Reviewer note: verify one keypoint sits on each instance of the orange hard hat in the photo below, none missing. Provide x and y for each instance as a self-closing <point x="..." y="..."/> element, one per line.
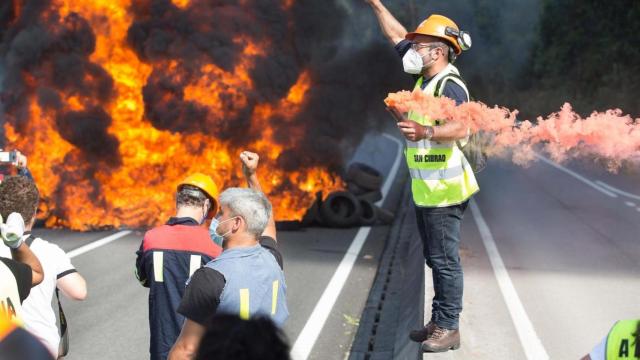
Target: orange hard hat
<point x="206" y="184"/>
<point x="441" y="27"/>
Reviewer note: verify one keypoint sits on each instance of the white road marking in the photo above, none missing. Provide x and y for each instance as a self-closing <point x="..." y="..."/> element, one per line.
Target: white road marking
<point x="616" y="190"/>
<point x="311" y="330"/>
<point x="98" y="243"/>
<point x="630" y="203"/>
<point x="577" y="176"/>
<point x="394" y="169"/>
<point x="533" y="348"/>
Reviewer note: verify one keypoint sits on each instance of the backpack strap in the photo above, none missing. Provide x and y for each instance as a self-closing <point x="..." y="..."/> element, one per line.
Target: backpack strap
<point x="29" y="240"/>
<point x="440" y="84"/>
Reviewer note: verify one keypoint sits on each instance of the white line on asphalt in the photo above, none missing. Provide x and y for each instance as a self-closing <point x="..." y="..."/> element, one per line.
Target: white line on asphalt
<point x="309" y="334"/>
<point x="630" y="203"/>
<point x="98" y="243"/>
<point x="577" y="176"/>
<point x="394" y="168"/>
<point x="616" y="190"/>
<point x="533" y="348"/>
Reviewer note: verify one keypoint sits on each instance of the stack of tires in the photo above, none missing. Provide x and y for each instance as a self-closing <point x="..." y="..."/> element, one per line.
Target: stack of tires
<point x="353" y="207"/>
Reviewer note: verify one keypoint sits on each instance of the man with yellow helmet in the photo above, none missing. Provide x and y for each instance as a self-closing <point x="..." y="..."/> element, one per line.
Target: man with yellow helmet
<point x="442" y="180"/>
<point x="171" y="253"/>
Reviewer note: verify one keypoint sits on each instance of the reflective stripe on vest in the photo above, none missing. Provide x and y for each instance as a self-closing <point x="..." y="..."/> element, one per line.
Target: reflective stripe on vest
<point x="440" y="174"/>
<point x="254" y="284"/>
<point x="621" y="341"/>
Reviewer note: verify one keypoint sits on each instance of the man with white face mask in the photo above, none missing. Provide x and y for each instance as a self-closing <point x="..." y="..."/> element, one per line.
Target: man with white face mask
<point x="247" y="278"/>
<point x="442" y="180"/>
<point x="170" y="253"/>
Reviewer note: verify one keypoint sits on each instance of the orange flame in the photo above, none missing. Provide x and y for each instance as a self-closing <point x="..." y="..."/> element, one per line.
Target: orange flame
<point x="140" y="191"/>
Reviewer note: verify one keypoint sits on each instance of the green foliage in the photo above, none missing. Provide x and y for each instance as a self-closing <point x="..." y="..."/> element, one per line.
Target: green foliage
<point x="589" y="50"/>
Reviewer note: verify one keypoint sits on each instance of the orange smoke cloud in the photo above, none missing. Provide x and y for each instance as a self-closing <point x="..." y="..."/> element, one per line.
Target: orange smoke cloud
<point x="611" y="135"/>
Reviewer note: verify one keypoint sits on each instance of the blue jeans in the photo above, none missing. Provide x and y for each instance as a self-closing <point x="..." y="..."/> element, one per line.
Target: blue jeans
<point x="440" y="232"/>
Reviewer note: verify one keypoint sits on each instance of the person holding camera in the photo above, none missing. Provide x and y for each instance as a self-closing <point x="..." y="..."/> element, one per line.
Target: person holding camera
<point x="19" y="195"/>
<point x="19" y="272"/>
<point x="13" y="163"/>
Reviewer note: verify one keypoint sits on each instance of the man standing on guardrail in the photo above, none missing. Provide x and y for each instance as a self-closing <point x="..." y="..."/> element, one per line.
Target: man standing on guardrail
<point x="442" y="180"/>
<point x="171" y="253"/>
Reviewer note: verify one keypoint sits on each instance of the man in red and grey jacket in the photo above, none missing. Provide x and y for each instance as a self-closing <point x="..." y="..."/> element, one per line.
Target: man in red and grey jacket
<point x="170" y="253"/>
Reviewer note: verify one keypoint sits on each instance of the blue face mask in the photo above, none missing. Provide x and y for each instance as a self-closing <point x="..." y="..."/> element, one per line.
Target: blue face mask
<point x="213" y="233"/>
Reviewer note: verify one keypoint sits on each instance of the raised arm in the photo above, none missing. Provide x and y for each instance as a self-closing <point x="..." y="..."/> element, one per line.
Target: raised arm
<point x="249" y="169"/>
<point x="24" y="255"/>
<point x="391" y="27"/>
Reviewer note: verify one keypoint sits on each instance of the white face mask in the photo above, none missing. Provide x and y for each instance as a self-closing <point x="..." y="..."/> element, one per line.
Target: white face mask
<point x="215" y="230"/>
<point x="412" y="62"/>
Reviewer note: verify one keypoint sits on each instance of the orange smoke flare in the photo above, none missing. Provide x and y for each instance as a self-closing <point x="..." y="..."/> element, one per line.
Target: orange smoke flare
<point x="610" y="135"/>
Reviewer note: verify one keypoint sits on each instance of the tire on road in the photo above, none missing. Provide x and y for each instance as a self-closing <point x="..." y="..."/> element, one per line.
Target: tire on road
<point x="356" y="189"/>
<point x="312" y="215"/>
<point x="369" y="214"/>
<point x="371" y="196"/>
<point x="341" y="209"/>
<point x="364" y="176"/>
<point x="385" y="216"/>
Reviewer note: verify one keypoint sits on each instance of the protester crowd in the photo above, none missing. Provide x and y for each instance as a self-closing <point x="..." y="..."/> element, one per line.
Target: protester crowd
<point x="216" y="293"/>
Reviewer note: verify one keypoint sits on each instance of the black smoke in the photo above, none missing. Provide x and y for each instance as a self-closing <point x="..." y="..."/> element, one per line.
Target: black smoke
<point x="46" y="58"/>
<point x="348" y="84"/>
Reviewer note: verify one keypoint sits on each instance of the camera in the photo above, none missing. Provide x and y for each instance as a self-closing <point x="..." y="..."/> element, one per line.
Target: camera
<point x="8" y="157"/>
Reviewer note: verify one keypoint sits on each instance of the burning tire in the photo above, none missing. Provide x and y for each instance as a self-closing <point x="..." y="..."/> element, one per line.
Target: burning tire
<point x="341" y="209"/>
<point x="364" y="176"/>
<point x="385" y="216"/>
<point x="371" y="196"/>
<point x="312" y="216"/>
<point x="369" y="214"/>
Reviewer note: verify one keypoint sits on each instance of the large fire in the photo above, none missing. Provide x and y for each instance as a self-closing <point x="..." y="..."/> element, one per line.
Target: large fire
<point x="137" y="188"/>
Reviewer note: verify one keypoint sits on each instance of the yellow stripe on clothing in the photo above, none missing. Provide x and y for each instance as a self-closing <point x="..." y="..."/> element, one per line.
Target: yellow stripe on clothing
<point x="244" y="304"/>
<point x="274" y="297"/>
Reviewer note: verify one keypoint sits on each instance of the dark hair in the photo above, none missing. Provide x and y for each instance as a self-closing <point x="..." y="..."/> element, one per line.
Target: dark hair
<point x="229" y="337"/>
<point x="190" y="196"/>
<point x="18" y="194"/>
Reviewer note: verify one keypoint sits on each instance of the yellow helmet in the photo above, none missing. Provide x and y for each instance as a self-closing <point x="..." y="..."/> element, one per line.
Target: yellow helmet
<point x="444" y="28"/>
<point x="206" y="184"/>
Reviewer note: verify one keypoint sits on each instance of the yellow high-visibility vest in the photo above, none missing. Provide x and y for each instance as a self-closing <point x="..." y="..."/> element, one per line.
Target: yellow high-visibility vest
<point x="440" y="173"/>
<point x="622" y="341"/>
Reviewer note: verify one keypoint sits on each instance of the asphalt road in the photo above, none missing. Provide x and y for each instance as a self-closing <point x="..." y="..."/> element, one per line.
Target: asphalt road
<point x="567" y="238"/>
<point x="570" y="247"/>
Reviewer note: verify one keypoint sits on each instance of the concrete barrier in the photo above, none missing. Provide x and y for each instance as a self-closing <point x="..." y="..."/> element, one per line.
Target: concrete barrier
<point x="395" y="305"/>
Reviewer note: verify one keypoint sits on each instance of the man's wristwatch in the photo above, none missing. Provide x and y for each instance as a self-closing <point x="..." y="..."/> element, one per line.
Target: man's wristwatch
<point x="428" y="132"/>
